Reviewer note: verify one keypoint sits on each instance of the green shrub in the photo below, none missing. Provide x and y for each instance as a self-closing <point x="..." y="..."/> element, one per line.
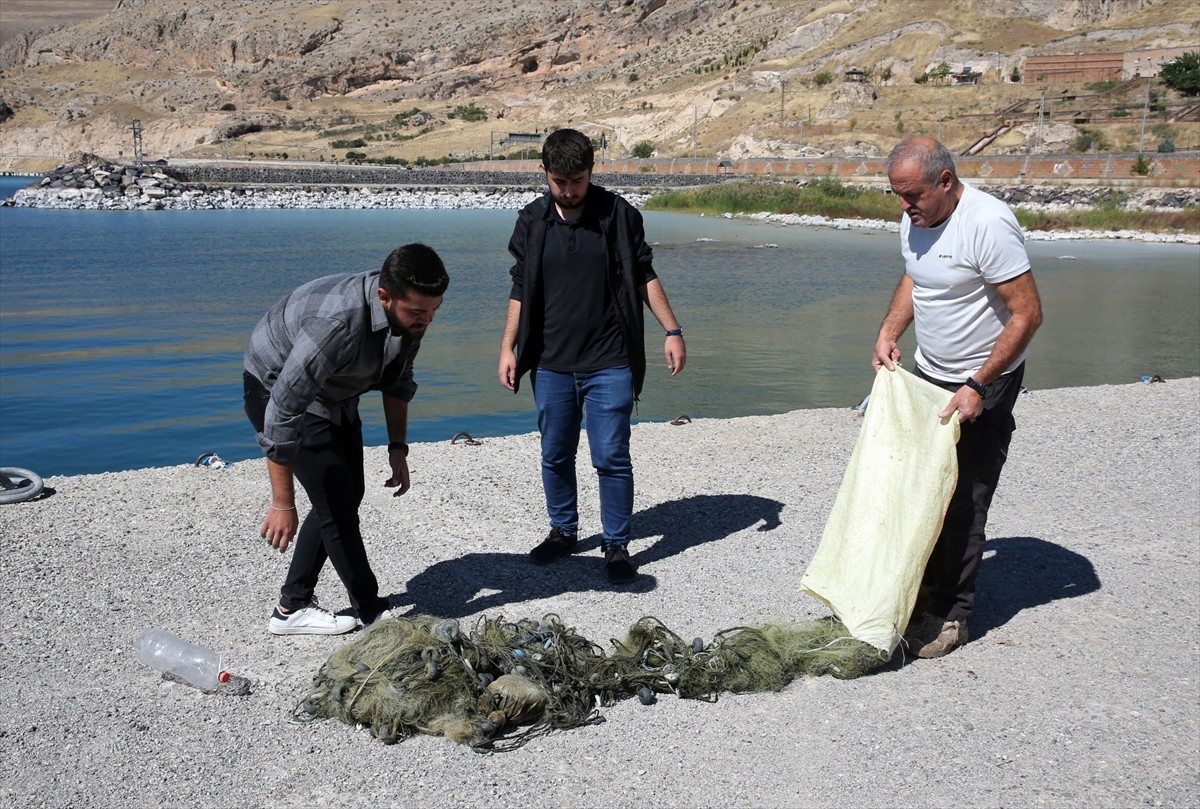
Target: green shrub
<point x="469" y="112"/>
<point x="1087" y="138"/>
<point x="833" y="199"/>
<point x="824" y="197"/>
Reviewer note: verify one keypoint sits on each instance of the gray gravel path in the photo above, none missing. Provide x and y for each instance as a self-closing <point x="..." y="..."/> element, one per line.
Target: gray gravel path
<point x="1079" y="687"/>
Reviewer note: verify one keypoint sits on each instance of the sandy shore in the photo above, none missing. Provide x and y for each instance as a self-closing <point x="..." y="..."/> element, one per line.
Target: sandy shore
<point x="1079" y="687"/>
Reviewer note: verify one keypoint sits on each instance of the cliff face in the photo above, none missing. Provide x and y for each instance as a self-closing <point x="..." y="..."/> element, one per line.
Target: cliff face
<point x="197" y="71"/>
<point x="300" y="49"/>
<point x="1066" y="14"/>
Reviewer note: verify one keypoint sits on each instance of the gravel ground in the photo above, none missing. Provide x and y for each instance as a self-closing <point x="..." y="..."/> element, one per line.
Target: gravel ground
<point x="1079" y="687"/>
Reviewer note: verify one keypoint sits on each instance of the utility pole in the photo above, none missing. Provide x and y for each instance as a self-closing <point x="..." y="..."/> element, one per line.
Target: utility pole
<point x="782" y="93"/>
<point x="1145" y="110"/>
<point x="137" y="143"/>
<point x="1041" y="111"/>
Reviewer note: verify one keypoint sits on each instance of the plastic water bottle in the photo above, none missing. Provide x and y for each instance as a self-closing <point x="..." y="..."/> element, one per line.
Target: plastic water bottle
<point x="164" y="651"/>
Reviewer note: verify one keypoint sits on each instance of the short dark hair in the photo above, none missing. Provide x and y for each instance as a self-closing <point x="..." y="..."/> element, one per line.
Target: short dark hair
<point x="567" y="151"/>
<point x="414" y="268"/>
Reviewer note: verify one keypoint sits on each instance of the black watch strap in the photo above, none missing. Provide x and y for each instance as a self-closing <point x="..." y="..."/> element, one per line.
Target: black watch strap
<point x="983" y="390"/>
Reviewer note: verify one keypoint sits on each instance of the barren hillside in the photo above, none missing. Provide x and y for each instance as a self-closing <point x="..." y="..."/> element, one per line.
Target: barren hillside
<point x="425" y="78"/>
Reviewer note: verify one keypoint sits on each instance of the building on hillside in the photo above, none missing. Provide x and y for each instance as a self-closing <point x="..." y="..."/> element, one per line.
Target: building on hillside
<point x="1063" y="68"/>
<point x="1147" y="63"/>
<point x="967" y="75"/>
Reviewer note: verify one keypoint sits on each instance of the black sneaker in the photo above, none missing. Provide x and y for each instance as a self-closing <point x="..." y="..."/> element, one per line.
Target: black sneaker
<point x="556" y="545"/>
<point x="618" y="566"/>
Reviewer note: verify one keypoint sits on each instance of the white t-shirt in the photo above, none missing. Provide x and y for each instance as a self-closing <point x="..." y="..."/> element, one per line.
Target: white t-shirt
<point x="954" y="267"/>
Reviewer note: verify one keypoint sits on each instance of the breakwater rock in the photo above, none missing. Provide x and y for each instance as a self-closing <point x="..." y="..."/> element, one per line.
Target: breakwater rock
<point x="99" y="185"/>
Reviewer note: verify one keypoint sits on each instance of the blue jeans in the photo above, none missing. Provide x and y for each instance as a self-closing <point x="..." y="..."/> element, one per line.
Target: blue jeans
<point x="603" y="402"/>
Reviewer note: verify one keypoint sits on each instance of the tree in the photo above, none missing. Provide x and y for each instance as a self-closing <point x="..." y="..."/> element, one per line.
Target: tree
<point x="822" y="78"/>
<point x="1183" y="74"/>
<point x="643" y="149"/>
<point x="941" y="72"/>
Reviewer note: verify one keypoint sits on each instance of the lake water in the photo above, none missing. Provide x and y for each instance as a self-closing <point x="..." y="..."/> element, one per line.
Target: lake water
<point x="121" y="333"/>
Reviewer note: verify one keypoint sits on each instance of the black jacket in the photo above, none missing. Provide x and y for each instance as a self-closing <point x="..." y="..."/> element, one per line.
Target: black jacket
<point x="630" y="263"/>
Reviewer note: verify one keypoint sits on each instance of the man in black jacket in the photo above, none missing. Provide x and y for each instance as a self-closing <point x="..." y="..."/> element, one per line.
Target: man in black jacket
<point x="583" y="271"/>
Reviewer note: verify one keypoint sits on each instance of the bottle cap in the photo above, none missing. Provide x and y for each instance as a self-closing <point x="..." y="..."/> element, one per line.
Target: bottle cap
<point x="223" y="677"/>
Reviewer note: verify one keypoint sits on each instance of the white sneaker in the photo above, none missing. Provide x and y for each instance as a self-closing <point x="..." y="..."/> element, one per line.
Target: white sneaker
<point x="310" y="620"/>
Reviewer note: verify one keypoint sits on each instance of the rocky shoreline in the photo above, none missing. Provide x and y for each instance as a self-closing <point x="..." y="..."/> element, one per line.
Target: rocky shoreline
<point x="1091" y="540"/>
<point x="99" y="185"/>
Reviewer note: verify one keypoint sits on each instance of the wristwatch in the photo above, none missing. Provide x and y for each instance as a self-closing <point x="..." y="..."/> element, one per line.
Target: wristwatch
<point x="983" y="390"/>
<point x="674" y="332"/>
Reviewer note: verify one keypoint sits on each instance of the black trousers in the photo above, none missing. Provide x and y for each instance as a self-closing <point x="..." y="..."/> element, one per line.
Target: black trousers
<point x="329" y="466"/>
<point x="948" y="586"/>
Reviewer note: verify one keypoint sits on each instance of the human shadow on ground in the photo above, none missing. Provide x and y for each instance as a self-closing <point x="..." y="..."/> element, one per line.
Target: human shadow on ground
<point x="486" y="581"/>
<point x="1019" y="573"/>
<point x="1023" y="572"/>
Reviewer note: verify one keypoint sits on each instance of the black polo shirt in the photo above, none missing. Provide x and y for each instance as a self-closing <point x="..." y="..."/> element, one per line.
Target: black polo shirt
<point x="582" y="328"/>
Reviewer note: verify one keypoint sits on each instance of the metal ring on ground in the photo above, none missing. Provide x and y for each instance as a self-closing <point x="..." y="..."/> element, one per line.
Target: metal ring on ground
<point x="203" y="457"/>
<point x="467" y="439"/>
<point x="18" y="485"/>
<point x="684" y="419"/>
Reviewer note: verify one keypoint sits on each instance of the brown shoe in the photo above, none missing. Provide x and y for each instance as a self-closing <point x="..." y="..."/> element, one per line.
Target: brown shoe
<point x="953" y="635"/>
<point x="922" y="628"/>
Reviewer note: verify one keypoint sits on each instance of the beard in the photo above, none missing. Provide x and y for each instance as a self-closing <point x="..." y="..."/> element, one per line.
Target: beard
<point x="570" y="204"/>
<point x="399" y="329"/>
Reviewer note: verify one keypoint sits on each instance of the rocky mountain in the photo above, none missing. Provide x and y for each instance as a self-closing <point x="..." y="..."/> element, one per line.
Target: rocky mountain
<point x="437" y="77"/>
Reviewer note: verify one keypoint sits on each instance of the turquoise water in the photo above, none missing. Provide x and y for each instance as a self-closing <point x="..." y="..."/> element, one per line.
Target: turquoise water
<point x="121" y="333"/>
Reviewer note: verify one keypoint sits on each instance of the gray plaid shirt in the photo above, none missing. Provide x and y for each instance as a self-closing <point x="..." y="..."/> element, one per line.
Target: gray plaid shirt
<point x="319" y="349"/>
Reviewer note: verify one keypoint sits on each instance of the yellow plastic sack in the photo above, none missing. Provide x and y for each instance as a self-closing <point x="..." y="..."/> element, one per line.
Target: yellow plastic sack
<point x="889" y="510"/>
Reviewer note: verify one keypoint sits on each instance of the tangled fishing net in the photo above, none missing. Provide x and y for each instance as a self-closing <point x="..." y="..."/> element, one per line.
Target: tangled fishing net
<point x="503" y="683"/>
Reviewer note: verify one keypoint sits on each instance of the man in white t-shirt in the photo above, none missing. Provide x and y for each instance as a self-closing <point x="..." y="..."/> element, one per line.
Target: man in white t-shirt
<point x="968" y="290"/>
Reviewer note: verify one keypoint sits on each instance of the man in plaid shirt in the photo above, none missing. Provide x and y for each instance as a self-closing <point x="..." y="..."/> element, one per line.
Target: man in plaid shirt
<point x="309" y="359"/>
